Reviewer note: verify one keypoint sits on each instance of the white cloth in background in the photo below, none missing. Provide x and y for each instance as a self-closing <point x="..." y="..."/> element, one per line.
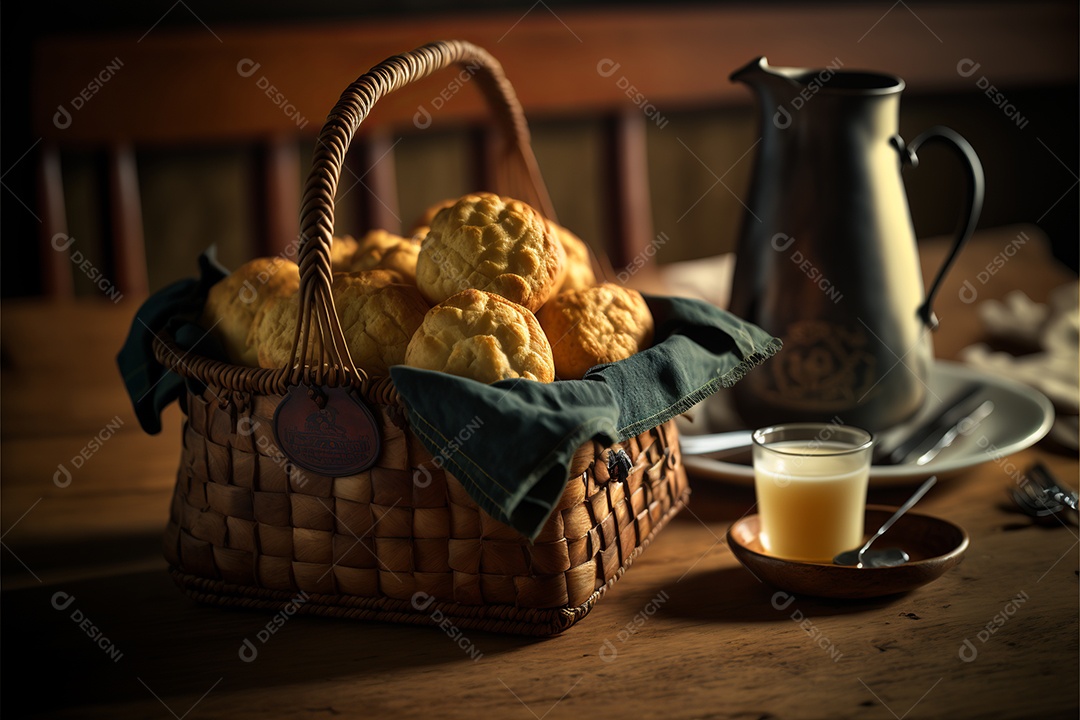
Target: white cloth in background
<point x="1050" y="334"/>
<point x="707" y="279"/>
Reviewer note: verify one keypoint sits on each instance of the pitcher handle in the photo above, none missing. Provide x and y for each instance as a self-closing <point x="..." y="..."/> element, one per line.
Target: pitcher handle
<point x="975" y="191"/>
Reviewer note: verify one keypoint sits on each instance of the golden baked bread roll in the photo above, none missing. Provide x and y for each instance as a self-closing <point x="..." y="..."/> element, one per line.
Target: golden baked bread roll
<point x="378" y="316"/>
<point x="483" y="336"/>
<point x="596" y="325"/>
<point x="234" y="301"/>
<point x="342" y="251"/>
<point x="579" y="272"/>
<point x="490" y="243"/>
<point x="381" y="250"/>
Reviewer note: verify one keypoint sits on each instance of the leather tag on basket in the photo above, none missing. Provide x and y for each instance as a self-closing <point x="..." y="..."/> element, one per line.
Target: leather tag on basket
<point x="326" y="430"/>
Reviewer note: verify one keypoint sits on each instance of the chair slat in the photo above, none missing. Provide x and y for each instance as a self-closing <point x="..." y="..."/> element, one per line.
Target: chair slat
<point x="279" y="197"/>
<point x="631" y="211"/>
<point x="374" y="180"/>
<point x="129" y="252"/>
<point x="485" y="147"/>
<point x="56" y="267"/>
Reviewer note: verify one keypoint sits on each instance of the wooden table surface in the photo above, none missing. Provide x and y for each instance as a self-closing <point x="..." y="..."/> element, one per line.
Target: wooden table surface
<point x="686" y="633"/>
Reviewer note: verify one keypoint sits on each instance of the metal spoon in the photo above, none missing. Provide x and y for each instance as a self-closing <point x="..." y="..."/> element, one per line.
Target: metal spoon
<point x="889" y="557"/>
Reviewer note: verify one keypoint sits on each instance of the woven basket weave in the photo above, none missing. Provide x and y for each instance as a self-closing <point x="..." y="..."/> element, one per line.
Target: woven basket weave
<point x="401" y="540"/>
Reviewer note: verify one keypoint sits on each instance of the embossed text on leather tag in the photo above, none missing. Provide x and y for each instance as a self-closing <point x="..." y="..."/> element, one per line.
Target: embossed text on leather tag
<point x="328" y="431"/>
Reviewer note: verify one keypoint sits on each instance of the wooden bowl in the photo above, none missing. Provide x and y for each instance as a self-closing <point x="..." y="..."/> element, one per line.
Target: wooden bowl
<point x="934" y="545"/>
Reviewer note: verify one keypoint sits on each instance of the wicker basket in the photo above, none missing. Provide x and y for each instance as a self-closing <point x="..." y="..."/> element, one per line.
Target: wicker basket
<point x="246" y="528"/>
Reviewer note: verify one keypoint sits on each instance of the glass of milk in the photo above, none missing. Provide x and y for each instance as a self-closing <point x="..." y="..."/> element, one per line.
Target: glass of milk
<point x="811" y="483"/>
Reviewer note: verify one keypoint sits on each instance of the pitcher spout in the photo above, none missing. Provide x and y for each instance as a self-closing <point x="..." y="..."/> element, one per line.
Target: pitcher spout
<point x="774" y="89"/>
<point x="758" y="73"/>
<point x="749" y="72"/>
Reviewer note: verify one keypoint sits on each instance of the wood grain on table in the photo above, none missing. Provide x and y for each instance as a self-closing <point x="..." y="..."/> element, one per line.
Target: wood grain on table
<point x="686" y="633"/>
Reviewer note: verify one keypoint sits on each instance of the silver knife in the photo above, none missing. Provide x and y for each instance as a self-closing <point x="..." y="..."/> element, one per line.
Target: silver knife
<point x="964" y="425"/>
<point x="715" y="442"/>
<point x="928" y="433"/>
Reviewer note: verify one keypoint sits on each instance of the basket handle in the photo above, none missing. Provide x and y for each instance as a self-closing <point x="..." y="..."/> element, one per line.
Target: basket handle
<point x="318" y="325"/>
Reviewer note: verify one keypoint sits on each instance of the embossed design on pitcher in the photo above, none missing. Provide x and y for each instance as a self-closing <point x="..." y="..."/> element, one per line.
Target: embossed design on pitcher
<point x="823" y="365"/>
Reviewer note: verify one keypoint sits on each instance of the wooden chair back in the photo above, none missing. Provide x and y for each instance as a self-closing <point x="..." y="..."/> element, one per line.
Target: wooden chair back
<point x="213" y="85"/>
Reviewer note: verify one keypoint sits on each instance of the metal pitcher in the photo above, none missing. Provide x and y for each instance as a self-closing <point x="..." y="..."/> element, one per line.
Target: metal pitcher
<point x="827" y="259"/>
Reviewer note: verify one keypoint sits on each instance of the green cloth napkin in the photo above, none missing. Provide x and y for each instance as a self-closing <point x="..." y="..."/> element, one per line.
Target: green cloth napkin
<point x="510" y="443"/>
<point x="174" y="310"/>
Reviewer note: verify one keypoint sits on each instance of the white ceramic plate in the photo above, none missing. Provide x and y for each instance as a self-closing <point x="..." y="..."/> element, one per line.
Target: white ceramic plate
<point x="1021" y="417"/>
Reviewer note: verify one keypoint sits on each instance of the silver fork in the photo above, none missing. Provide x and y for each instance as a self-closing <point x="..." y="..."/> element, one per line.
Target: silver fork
<point x="1042" y="496"/>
